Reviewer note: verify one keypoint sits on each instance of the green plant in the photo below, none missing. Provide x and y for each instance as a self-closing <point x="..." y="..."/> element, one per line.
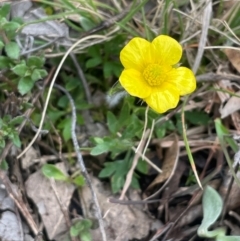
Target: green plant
<point x="18" y="71"/>
<point x="8" y="132"/>
<point x="212" y="208"/>
<point x="51" y="171"/>
<point x="81" y="229"/>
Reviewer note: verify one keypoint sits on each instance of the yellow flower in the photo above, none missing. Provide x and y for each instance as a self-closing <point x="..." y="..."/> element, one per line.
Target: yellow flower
<point x="150" y="72"/>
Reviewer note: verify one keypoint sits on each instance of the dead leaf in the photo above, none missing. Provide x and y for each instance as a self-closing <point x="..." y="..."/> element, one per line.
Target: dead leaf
<point x="39" y="189"/>
<point x="169" y="164"/>
<point x="232" y="105"/>
<point x="233" y="57"/>
<point x="121" y="222"/>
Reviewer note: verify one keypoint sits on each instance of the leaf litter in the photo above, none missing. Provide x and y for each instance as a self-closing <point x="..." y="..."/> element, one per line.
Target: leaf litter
<point x="179" y="204"/>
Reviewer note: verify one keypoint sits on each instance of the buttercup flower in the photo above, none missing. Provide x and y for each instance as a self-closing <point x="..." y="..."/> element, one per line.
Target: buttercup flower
<point x="151" y="72"/>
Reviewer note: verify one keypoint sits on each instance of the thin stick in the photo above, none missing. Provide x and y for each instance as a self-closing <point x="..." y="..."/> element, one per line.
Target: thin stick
<point x="81" y="162"/>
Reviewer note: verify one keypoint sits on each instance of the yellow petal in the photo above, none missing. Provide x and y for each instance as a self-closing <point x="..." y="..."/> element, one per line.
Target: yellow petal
<point x="163" y="98"/>
<point x="183" y="78"/>
<point x="134" y="83"/>
<point x="167" y="50"/>
<point x="136" y="54"/>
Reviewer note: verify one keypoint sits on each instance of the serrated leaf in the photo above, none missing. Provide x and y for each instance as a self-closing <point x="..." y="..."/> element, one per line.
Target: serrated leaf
<point x="51" y="171"/>
<point x="35" y="61"/>
<point x="20" y="69"/>
<point x="12" y="50"/>
<point x="25" y="85"/>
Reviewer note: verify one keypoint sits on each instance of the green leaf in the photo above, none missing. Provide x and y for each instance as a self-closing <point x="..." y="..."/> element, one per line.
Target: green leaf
<point x="35" y="75"/>
<point x="108" y="170"/>
<point x="100" y="149"/>
<point x="135" y="183"/>
<point x="4" y="62"/>
<point x="50" y="170"/>
<point x="43" y="73"/>
<point x="87" y="223"/>
<point x="93" y="62"/>
<point x="74" y="231"/>
<point x="212" y="208"/>
<point x="4" y="165"/>
<point x="20" y="69"/>
<point x="112" y="122"/>
<point x="25" y="85"/>
<point x="35" y="61"/>
<point x="107" y="69"/>
<point x="86" y="23"/>
<point x="142" y="166"/>
<point x="12" y="50"/>
<point x="16" y="120"/>
<point x="79" y="181"/>
<point x="117" y="182"/>
<point x="85" y="235"/>
<point x="16" y="140"/>
<point x="1" y="45"/>
<point x="65" y="125"/>
<point x="2" y="143"/>
<point x="5" y="10"/>
<point x="197" y="117"/>
<point x="11" y="26"/>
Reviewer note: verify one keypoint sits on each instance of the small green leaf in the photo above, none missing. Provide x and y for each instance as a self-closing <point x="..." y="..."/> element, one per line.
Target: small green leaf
<point x="85" y="235"/>
<point x="86" y="23"/>
<point x="12" y="50"/>
<point x="4" y="10"/>
<point x="16" y="120"/>
<point x="117" y="182"/>
<point x="93" y="62"/>
<point x="2" y="143"/>
<point x="79" y="181"/>
<point x="108" y="170"/>
<point x="112" y="122"/>
<point x="100" y="149"/>
<point x="212" y="208"/>
<point x="107" y="69"/>
<point x="35" y="61"/>
<point x="35" y="75"/>
<point x="142" y="166"/>
<point x="1" y="45"/>
<point x="20" y="69"/>
<point x="25" y="85"/>
<point x="11" y="26"/>
<point x="16" y="140"/>
<point x="43" y="73"/>
<point x="74" y="231"/>
<point x="4" y="62"/>
<point x="50" y="170"/>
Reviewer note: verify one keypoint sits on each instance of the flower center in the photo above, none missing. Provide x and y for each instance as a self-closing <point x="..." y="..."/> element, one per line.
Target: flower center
<point x="154" y="74"/>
